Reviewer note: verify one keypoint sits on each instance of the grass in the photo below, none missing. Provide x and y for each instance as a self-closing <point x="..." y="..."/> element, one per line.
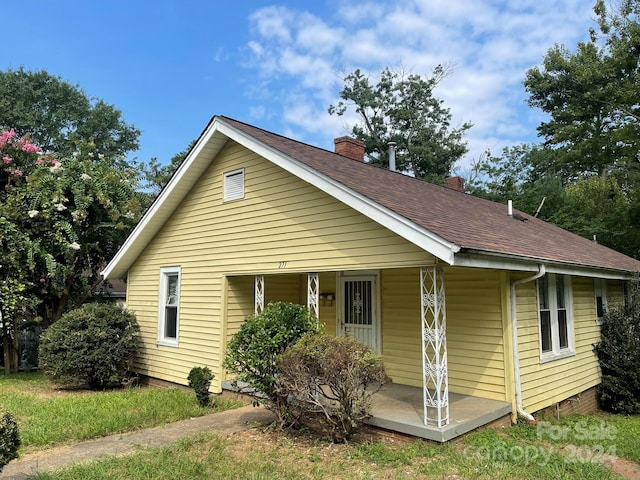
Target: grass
<point x="569" y="448"/>
<point x="47" y="416"/>
<point x="492" y="454"/>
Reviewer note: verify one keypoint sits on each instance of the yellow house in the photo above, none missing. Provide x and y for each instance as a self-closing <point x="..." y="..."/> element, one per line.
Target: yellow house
<point x="474" y="306"/>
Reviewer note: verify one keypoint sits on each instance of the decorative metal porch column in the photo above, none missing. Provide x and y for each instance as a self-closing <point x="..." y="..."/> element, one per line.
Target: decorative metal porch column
<point x="435" y="380"/>
<point x="259" y="294"/>
<point x="313" y="287"/>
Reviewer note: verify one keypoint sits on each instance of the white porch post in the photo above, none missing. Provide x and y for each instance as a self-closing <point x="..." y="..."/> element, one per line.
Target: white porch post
<point x="313" y="287"/>
<point x="435" y="380"/>
<point x="259" y="294"/>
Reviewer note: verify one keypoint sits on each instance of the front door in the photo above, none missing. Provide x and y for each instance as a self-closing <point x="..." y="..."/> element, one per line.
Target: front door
<point x="358" y="308"/>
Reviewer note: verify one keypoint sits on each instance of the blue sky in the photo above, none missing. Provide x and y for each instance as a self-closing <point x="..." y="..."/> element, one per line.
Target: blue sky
<point x="170" y="65"/>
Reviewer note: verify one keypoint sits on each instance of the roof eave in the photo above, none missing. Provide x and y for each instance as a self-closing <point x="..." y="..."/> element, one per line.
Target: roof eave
<point x="498" y="260"/>
<point x="185" y="176"/>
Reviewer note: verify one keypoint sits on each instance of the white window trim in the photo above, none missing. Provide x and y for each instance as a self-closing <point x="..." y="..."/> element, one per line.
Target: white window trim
<point x="557" y="353"/>
<point x="164" y="274"/>
<point x="600" y="290"/>
<point x="233" y="191"/>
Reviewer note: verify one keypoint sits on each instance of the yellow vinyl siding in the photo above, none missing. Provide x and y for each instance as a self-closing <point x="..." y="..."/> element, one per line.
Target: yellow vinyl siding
<point x="327" y="308"/>
<point x="282" y="225"/>
<point x="285" y="288"/>
<point x="544" y="384"/>
<point x="474" y="330"/>
<point x="401" y="346"/>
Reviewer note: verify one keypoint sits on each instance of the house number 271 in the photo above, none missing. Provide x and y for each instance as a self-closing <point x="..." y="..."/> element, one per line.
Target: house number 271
<point x="283" y="265"/>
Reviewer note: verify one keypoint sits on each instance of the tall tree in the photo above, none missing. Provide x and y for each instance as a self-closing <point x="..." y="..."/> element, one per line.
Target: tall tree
<point x="402" y="108"/>
<point x="71" y="216"/>
<point x="592" y="136"/>
<point x="591" y="96"/>
<point x="157" y="176"/>
<point x="58" y="115"/>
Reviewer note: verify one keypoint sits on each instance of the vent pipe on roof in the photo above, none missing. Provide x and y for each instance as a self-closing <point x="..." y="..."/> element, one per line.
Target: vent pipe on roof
<point x="510" y="207"/>
<point x="392" y="156"/>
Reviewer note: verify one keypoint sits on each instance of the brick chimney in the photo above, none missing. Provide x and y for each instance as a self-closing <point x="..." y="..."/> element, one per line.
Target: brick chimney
<point x="455" y="183"/>
<point x="350" y="147"/>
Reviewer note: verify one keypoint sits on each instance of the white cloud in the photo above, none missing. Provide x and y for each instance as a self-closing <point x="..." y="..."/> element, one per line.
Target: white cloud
<point x="492" y="43"/>
<point x="273" y="23"/>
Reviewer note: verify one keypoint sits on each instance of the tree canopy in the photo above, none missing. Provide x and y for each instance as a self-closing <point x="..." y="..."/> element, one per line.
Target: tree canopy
<point x="585" y="174"/>
<point x="58" y="115"/>
<point x="591" y="97"/>
<point x="61" y="220"/>
<point x="402" y="108"/>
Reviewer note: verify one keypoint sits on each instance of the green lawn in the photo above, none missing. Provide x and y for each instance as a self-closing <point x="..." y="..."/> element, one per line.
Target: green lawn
<point x="578" y="447"/>
<point x="48" y="416"/>
<point x="568" y="449"/>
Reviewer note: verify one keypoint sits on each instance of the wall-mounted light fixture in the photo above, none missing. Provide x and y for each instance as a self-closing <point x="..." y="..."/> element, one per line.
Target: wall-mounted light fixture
<point x="327" y="297"/>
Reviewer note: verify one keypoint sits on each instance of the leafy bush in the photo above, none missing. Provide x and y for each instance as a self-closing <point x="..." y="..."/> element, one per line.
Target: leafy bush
<point x="255" y="350"/>
<point x="9" y="439"/>
<point x="619" y="356"/>
<point x="91" y="346"/>
<point x="200" y="380"/>
<point x="327" y="381"/>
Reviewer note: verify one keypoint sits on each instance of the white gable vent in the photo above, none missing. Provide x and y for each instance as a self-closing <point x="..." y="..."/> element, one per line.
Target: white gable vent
<point x="234" y="185"/>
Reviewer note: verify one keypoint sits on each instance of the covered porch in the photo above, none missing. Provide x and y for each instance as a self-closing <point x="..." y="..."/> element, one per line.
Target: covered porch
<point x="399" y="408"/>
<point x="436" y="393"/>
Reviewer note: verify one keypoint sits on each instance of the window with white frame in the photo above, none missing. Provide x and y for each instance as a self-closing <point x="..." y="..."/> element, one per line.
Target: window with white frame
<point x="234" y="185"/>
<point x="600" y="289"/>
<point x="168" y="315"/>
<point x="555" y="316"/>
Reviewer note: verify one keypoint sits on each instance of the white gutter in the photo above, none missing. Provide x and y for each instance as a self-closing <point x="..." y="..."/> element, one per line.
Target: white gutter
<point x="514" y="333"/>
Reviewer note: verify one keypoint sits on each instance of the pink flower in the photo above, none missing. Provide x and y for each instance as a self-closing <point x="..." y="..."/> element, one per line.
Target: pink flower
<point x="40" y="161"/>
<point x="42" y="280"/>
<point x="18" y="172"/>
<point x="29" y="147"/>
<point x="7" y="137"/>
<point x="6" y="160"/>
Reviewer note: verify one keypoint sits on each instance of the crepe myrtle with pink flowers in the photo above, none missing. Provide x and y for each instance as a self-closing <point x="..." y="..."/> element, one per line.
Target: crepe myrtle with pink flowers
<point x="61" y="219"/>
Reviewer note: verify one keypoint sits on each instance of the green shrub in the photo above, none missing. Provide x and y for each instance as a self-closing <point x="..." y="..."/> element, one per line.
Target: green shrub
<point x="619" y="356"/>
<point x="9" y="439"/>
<point x="200" y="380"/>
<point x="91" y="346"/>
<point x="254" y="351"/>
<point x="328" y="382"/>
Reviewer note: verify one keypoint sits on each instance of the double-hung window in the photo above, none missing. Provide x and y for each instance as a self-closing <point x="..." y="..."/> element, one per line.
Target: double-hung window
<point x="555" y="316"/>
<point x="168" y="315"/>
<point x="600" y="289"/>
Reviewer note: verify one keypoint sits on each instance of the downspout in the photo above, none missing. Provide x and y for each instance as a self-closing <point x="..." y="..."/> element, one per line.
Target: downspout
<point x="514" y="332"/>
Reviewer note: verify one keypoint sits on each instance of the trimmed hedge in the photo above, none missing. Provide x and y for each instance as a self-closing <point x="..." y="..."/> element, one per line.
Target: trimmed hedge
<point x="254" y="351"/>
<point x="91" y="346"/>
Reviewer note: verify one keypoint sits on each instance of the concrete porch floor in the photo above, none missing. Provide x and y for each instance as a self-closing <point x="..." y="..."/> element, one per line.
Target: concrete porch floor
<point x="399" y="408"/>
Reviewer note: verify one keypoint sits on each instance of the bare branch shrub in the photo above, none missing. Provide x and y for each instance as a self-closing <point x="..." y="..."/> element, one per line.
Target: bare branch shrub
<point x="329" y="382"/>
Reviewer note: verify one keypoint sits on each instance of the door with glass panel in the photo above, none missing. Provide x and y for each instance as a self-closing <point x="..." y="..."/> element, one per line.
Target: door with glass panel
<point x="358" y="309"/>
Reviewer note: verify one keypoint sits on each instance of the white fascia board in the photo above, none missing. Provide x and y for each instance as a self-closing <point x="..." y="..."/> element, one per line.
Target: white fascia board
<point x="423" y="238"/>
<point x="499" y="261"/>
<point x="162" y="207"/>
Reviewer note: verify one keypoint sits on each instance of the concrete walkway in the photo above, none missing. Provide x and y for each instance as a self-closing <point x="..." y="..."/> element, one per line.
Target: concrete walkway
<point x="227" y="422"/>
